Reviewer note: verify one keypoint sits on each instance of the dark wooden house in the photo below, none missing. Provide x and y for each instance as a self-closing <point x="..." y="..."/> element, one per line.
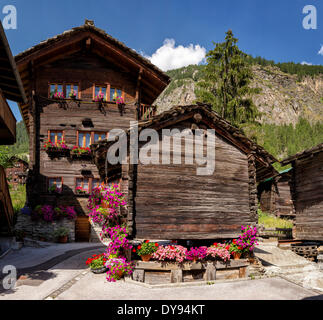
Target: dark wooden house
<point x="172" y="201"/>
<point x="11" y="89"/>
<point x="17" y="171"/>
<point x="91" y="64"/>
<point x="307" y="192"/>
<point x="274" y="195"/>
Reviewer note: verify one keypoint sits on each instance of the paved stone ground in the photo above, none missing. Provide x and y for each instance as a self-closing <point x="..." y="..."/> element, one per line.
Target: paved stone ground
<point x="93" y="286"/>
<point x="290" y="266"/>
<point x="69" y="279"/>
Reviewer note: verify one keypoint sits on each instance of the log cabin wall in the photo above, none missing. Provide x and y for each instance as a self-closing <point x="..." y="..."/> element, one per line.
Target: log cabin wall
<point x="86" y="71"/>
<point x="283" y="198"/>
<point x="275" y="197"/>
<point x="173" y="202"/>
<point x="308" y="197"/>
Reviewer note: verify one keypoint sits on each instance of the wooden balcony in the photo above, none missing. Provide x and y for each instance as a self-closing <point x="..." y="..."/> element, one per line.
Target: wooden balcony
<point x="7" y="123"/>
<point x="146" y="112"/>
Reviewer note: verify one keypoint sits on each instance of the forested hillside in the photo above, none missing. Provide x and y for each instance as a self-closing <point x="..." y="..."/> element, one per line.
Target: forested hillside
<point x="290" y="102"/>
<point x="20" y="148"/>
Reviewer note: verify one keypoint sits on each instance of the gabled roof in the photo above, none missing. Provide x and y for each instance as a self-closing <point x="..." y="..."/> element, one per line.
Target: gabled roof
<point x="10" y="82"/>
<point x="15" y="159"/>
<point x="89" y="37"/>
<point x="213" y="120"/>
<point x="303" y="154"/>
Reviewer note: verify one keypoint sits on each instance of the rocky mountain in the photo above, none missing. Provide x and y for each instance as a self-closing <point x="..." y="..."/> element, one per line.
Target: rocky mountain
<point x="284" y="98"/>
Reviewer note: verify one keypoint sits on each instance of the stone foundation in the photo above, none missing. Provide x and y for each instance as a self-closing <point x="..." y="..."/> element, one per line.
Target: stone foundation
<point x="39" y="229"/>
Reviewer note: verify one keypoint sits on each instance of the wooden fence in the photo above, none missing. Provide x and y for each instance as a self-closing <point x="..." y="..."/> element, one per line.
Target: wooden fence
<point x="279" y="233"/>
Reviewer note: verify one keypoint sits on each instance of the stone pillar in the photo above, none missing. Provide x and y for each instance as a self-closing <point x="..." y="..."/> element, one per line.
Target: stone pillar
<point x="210" y="272"/>
<point x="176" y="276"/>
<point x="138" y="275"/>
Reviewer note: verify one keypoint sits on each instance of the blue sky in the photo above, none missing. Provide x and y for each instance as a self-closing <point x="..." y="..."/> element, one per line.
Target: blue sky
<point x="271" y="29"/>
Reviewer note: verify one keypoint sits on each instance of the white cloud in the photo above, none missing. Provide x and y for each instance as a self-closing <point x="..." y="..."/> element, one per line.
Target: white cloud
<point x="321" y="50"/>
<point x="168" y="56"/>
<point x="307" y="63"/>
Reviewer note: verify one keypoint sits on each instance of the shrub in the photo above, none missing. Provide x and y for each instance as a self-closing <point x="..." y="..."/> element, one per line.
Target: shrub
<point x="147" y="248"/>
<point x="219" y="251"/>
<point x="196" y="253"/>
<point x="170" y="253"/>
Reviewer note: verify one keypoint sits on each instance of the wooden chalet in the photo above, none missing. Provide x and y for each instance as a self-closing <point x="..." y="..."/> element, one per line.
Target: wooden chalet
<point x="172" y="201"/>
<point x="11" y="89"/>
<point x="307" y="192"/>
<point x="17" y="171"/>
<point x="89" y="62"/>
<point x="274" y="195"/>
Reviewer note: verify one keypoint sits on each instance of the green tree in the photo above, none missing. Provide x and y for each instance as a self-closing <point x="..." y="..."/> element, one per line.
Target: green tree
<point x="225" y="83"/>
<point x="5" y="155"/>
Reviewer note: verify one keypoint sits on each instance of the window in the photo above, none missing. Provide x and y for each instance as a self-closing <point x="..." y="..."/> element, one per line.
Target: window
<point x="55" y="184"/>
<point x="72" y="88"/>
<point x="96" y="183"/>
<point x="100" y="89"/>
<point x="98" y="136"/>
<point x="56" y="136"/>
<point x="54" y="87"/>
<point x="65" y="89"/>
<point x="85" y="139"/>
<point x="82" y="185"/>
<point x="114" y="93"/>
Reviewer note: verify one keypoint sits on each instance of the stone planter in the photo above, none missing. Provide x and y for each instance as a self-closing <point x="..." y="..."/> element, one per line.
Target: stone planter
<point x="99" y="270"/>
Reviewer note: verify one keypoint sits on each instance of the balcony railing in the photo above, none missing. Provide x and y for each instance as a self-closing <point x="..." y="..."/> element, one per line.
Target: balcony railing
<point x="146" y="112"/>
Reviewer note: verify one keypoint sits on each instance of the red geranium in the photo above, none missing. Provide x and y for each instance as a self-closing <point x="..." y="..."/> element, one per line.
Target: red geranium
<point x="156" y="244"/>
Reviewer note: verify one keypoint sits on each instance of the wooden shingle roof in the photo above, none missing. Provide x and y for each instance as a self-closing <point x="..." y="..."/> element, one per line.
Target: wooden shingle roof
<point x="303" y="154"/>
<point x="213" y="120"/>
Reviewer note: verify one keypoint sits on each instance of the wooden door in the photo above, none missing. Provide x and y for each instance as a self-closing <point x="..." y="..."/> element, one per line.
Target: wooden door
<point x="82" y="229"/>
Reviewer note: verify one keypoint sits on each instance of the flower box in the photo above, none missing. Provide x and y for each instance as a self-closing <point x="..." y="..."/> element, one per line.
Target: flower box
<point x="81" y="153"/>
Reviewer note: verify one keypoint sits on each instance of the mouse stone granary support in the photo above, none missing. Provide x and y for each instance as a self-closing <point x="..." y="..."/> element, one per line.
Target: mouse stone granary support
<point x="274" y="195"/>
<point x="173" y="201"/>
<point x="11" y="89"/>
<point x="307" y="192"/>
<point x="80" y="85"/>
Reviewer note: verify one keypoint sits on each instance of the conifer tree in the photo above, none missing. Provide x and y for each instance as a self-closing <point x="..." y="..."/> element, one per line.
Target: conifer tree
<point x="225" y="83"/>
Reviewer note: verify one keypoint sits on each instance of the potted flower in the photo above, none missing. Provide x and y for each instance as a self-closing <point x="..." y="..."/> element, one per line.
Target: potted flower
<point x="119" y="100"/>
<point x="54" y="148"/>
<point x="248" y="241"/>
<point x="195" y="254"/>
<point x="72" y="94"/>
<point x="218" y="251"/>
<point x="146" y="250"/>
<point x="80" y="152"/>
<point x="99" y="97"/>
<point x="80" y="190"/>
<point x="97" y="263"/>
<point x="57" y="95"/>
<point x="170" y="253"/>
<point x="118" y="267"/>
<point x="235" y="249"/>
<point x="61" y="234"/>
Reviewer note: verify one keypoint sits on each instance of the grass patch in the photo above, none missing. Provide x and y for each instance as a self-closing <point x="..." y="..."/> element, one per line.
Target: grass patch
<point x="18" y="197"/>
<point x="270" y="221"/>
